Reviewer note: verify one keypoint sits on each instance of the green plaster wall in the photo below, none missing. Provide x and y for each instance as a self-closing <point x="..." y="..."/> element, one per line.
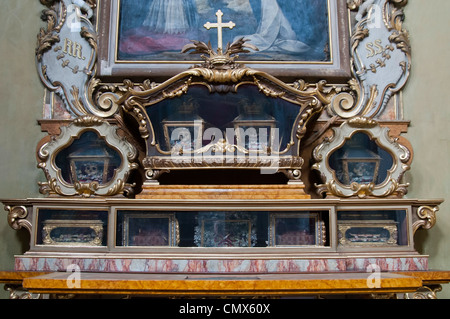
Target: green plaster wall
<point x="426" y="106"/>
<point x="21" y="96"/>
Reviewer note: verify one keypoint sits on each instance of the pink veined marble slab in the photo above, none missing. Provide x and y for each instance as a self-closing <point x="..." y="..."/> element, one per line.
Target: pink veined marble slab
<point x="149" y="265"/>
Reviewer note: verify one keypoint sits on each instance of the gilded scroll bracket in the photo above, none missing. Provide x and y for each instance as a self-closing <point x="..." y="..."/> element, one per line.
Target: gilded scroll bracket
<point x="18" y="292"/>
<point x="425" y="292"/>
<point x="17" y="217"/>
<point x="426" y="218"/>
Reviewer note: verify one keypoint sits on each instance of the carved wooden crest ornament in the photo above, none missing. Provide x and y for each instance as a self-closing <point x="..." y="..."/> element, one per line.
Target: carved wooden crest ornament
<point x="381" y="58"/>
<point x="67" y="53"/>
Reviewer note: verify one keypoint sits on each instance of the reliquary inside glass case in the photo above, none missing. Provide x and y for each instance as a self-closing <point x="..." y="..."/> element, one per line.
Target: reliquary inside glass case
<point x="224" y="151"/>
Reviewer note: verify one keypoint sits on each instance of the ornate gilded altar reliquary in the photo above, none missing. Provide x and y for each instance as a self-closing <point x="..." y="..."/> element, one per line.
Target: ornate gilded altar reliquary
<point x="282" y="155"/>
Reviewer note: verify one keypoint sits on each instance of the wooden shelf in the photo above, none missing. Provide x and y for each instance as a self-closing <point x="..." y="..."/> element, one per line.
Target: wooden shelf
<point x="215" y="284"/>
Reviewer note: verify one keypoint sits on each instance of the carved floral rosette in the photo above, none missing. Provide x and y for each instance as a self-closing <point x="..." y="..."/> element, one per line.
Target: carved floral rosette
<point x="117" y="185"/>
<point x="392" y="185"/>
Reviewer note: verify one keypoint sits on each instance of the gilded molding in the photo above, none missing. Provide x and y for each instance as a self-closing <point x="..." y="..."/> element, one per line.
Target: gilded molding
<point x="88" y="120"/>
<point x="362" y="122"/>
<point x="162" y="162"/>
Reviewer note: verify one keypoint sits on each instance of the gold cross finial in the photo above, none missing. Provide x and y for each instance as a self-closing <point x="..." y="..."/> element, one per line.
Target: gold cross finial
<point x="219" y="25"/>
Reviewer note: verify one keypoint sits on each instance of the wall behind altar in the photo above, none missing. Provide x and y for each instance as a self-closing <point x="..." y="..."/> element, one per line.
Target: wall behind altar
<point x="427" y="107"/>
<point x="21" y="96"/>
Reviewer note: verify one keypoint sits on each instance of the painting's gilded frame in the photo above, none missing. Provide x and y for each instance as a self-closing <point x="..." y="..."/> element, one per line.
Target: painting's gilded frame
<point x="338" y="68"/>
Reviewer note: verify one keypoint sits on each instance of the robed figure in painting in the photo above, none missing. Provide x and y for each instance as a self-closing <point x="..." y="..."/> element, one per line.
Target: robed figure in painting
<point x="171" y="16"/>
<point x="165" y="25"/>
<point x="275" y="32"/>
<point x="284" y="30"/>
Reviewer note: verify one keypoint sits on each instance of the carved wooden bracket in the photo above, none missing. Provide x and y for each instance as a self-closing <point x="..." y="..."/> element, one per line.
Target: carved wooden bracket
<point x="17" y="217"/>
<point x="426" y="217"/>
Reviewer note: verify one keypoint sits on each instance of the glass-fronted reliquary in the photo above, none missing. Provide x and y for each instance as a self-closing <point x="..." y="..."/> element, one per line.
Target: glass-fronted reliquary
<point x="272" y="143"/>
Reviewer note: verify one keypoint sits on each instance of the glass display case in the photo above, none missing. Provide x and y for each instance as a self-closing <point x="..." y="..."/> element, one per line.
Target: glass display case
<point x="88" y="159"/>
<point x="329" y="227"/>
<point x="299" y="229"/>
<point x="372" y="228"/>
<point x="70" y="227"/>
<point x="140" y="228"/>
<point x="183" y="128"/>
<point x="226" y="229"/>
<point x="243" y="120"/>
<point x="361" y="160"/>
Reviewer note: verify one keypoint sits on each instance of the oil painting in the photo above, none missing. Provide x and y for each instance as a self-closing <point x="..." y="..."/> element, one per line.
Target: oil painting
<point x="282" y="30"/>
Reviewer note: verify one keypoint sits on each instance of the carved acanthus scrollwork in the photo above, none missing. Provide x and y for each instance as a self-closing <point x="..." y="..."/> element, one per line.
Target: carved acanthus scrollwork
<point x="48" y="37"/>
<point x="381" y="58"/>
<point x="66" y="55"/>
<point x="154" y="174"/>
<point x="424" y="293"/>
<point x="426" y="217"/>
<point x="17" y="217"/>
<point x="218" y="59"/>
<point x="18" y="292"/>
